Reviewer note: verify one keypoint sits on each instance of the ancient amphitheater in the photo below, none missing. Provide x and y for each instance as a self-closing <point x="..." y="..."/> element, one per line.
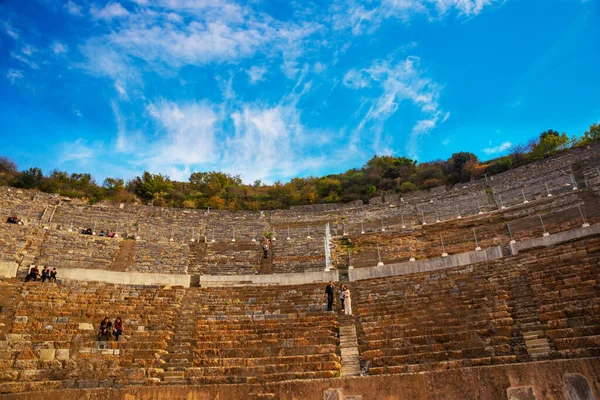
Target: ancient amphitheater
<point x="482" y="291"/>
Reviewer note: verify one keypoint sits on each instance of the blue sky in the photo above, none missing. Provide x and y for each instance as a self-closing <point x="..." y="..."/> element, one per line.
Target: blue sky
<point x="274" y="89"/>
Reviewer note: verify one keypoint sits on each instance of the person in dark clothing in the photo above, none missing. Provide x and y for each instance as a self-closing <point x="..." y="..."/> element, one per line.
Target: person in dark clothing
<point x="330" y="291"/>
<point x="34" y="273"/>
<point x="105" y="329"/>
<point x="52" y="275"/>
<point x="45" y="274"/>
<point x="265" y="248"/>
<point x="14" y="220"/>
<point x="118" y="328"/>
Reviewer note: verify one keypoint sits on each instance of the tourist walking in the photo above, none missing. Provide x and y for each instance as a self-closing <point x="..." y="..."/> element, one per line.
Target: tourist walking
<point x="342" y="297"/>
<point x="347" y="302"/>
<point x="329" y="291"/>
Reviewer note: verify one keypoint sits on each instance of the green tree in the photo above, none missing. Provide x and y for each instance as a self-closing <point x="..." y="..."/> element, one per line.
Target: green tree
<point x="30" y="179"/>
<point x="148" y="185"/>
<point x="549" y="143"/>
<point x="590" y="135"/>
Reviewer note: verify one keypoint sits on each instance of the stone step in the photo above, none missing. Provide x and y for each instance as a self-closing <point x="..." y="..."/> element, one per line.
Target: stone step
<point x="536" y="343"/>
<point x="539" y="351"/>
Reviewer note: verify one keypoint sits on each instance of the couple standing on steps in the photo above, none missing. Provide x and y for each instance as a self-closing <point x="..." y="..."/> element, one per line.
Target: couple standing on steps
<point x="345" y="299"/>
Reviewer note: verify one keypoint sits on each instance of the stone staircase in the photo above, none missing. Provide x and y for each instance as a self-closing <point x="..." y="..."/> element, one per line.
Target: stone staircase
<point x="181" y="346"/>
<point x="266" y="264"/>
<point x="125" y="256"/>
<point x="32" y="250"/>
<point x="529" y="337"/>
<point x="349" y="346"/>
<point x="10" y="295"/>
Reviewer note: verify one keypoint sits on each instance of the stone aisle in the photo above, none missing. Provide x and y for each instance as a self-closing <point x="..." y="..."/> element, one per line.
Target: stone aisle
<point x="349" y="346"/>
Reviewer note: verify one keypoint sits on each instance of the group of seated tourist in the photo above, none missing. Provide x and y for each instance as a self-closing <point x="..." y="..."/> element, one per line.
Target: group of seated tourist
<point x="14" y="220"/>
<point x="109" y="331"/>
<point x="46" y="274"/>
<point x="89" y="231"/>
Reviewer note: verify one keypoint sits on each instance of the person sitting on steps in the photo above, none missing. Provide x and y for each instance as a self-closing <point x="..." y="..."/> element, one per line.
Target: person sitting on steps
<point x="14" y="220"/>
<point x="105" y="329"/>
<point x="34" y="273"/>
<point x="52" y="275"/>
<point x="45" y="274"/>
<point x="118" y="328"/>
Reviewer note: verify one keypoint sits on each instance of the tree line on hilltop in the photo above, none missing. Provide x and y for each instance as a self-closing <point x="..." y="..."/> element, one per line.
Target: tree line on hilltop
<point x="218" y="190"/>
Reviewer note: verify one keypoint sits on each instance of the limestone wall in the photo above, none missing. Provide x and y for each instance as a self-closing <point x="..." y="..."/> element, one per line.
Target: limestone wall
<point x="559" y="380"/>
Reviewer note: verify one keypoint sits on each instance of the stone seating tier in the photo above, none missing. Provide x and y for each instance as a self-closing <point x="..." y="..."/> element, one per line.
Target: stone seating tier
<point x="229" y="258"/>
<point x="559" y="213"/>
<point x="19" y="242"/>
<point x="74" y="250"/>
<point x="195" y="336"/>
<point x="490" y="313"/>
<point x="298" y="255"/>
<point x="162" y="256"/>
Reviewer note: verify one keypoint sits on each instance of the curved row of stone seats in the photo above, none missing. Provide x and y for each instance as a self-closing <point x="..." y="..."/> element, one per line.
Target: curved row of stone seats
<point x="30" y="206"/>
<point x="229" y="258"/>
<point x="521" y="222"/>
<point x="298" y="255"/>
<point x="74" y="250"/>
<point x="452" y="319"/>
<point x="545" y="171"/>
<point x="566" y="284"/>
<point x="160" y="257"/>
<point x="19" y="242"/>
<point x="52" y="341"/>
<point x="252" y="335"/>
<point x="103" y="216"/>
<point x="541" y="303"/>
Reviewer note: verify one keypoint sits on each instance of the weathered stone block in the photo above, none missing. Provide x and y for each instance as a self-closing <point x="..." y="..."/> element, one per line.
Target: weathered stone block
<point x="577" y="387"/>
<point x="333" y="394"/>
<point x="21" y="319"/>
<point x="520" y="393"/>
<point x="88" y="383"/>
<point x="84" y="326"/>
<point x="62" y="354"/>
<point x="47" y="354"/>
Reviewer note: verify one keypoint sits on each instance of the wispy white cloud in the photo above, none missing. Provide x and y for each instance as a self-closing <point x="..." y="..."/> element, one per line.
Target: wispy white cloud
<point x="109" y="11"/>
<point x="25" y="60"/>
<point x="77" y="113"/>
<point x="76" y="151"/>
<point x="189" y="134"/>
<point x="73" y="8"/>
<point x="10" y="31"/>
<point x="497" y="149"/>
<point x="59" y="47"/>
<point x="399" y="82"/>
<point x="364" y="16"/>
<point x="14" y="75"/>
<point x="256" y="74"/>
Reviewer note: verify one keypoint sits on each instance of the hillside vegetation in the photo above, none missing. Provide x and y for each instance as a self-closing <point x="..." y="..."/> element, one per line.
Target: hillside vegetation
<point x="217" y="190"/>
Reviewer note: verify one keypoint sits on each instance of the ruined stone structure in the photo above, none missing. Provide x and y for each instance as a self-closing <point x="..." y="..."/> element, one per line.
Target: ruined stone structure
<point x="500" y="299"/>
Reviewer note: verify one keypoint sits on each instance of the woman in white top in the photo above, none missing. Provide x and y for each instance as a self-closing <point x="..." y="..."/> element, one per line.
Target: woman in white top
<point x="347" y="302"/>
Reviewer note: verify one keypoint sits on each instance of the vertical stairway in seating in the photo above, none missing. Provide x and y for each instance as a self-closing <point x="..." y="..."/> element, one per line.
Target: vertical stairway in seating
<point x="31" y="251"/>
<point x="10" y="297"/>
<point x="181" y="346"/>
<point x="266" y="264"/>
<point x="349" y="346"/>
<point x="125" y="257"/>
<point x="531" y="338"/>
